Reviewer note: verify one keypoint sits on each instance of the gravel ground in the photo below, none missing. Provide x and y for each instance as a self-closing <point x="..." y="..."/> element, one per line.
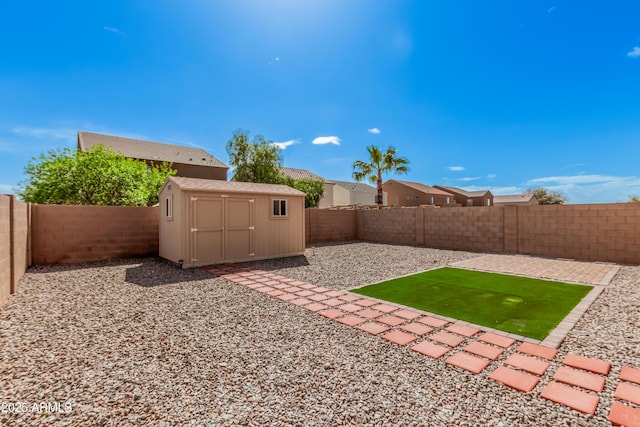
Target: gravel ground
<point x="140" y="342"/>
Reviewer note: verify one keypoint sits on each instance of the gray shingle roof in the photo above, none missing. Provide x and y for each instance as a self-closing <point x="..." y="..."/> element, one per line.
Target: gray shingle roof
<point x="147" y="150"/>
<point x="199" y="184"/>
<point x="302" y="174"/>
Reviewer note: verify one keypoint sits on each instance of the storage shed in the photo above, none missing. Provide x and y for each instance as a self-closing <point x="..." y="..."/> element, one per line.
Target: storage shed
<point x="205" y="221"/>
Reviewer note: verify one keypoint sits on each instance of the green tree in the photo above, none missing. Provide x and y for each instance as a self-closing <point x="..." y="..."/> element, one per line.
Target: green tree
<point x="379" y="163"/>
<point x="546" y="197"/>
<point x="634" y="199"/>
<point x="259" y="160"/>
<point x="99" y="176"/>
<point x="255" y="161"/>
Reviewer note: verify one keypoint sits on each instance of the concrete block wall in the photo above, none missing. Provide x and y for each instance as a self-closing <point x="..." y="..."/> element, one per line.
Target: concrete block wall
<point x="476" y="229"/>
<point x="5" y="248"/>
<point x="324" y="225"/>
<point x="388" y="225"/>
<point x="68" y="234"/>
<point x="599" y="232"/>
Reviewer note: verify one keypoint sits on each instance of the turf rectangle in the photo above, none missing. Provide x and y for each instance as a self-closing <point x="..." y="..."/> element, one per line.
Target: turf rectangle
<point x="519" y="305"/>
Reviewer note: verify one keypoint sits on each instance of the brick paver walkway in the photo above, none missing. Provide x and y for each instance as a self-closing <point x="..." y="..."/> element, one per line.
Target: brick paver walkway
<point x="577" y="382"/>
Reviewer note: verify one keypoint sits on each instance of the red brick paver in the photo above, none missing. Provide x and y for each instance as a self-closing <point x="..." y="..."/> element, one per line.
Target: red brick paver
<point x="399" y="337"/>
<point x="526" y="363"/>
<point x="391" y="320"/>
<point x="366" y="302"/>
<point x="370" y="314"/>
<point x="349" y="298"/>
<point x="588" y="364"/>
<point x="305" y="293"/>
<point x="430" y="349"/>
<point x="433" y="321"/>
<point x="447" y="338"/>
<point x="416" y="328"/>
<point x="628" y="392"/>
<point x="351" y="320"/>
<point x="537" y="350"/>
<point x="579" y="378"/>
<point x="484" y="350"/>
<point x="374" y="328"/>
<point x="498" y="340"/>
<point x="351" y="308"/>
<point x="300" y="301"/>
<point x="515" y="379"/>
<point x="317" y="297"/>
<point x="316" y="306"/>
<point x="385" y="308"/>
<point x="334" y="294"/>
<point x="623" y="415"/>
<point x="287" y="297"/>
<point x="574" y="399"/>
<point x="468" y="362"/>
<point x="461" y="329"/>
<point x="332" y="313"/>
<point x="630" y="374"/>
<point x="407" y="314"/>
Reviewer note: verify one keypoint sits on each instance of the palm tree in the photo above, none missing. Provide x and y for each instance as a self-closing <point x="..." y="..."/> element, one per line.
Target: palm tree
<point x="378" y="164"/>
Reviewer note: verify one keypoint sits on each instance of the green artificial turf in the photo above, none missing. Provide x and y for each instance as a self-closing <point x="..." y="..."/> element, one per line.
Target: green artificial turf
<point x="520" y="305"/>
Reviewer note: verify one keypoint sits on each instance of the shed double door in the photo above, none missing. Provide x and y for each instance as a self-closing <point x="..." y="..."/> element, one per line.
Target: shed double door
<point x="221" y="229"/>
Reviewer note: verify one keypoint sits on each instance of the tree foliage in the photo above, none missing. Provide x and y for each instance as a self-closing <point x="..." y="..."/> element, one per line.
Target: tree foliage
<point x="260" y="160"/>
<point x="379" y="163"/>
<point x="99" y="176"/>
<point x="546" y="197"/>
<point x="634" y="199"/>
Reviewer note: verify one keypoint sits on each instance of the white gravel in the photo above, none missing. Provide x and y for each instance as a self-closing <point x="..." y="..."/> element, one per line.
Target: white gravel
<point x="140" y="342"/>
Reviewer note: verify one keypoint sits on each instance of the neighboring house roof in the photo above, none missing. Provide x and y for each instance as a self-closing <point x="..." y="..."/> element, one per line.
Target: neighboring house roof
<point x="198" y="184"/>
<point x="460" y="191"/>
<point x="421" y="187"/>
<point x="357" y="186"/>
<point x="514" y="198"/>
<point x="152" y="151"/>
<point x="303" y="174"/>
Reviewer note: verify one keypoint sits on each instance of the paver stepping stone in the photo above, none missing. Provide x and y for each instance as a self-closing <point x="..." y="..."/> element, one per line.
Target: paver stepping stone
<point x="537" y="350"/>
<point x="484" y="350"/>
<point x="351" y="308"/>
<point x="332" y="313"/>
<point x="407" y="314"/>
<point x="391" y="320"/>
<point x="282" y="286"/>
<point x="447" y="338"/>
<point x="275" y="293"/>
<point x="430" y="349"/>
<point x="433" y="321"/>
<point x="623" y="415"/>
<point x="468" y="362"/>
<point x="526" y="363"/>
<point x="301" y="301"/>
<point x="370" y="314"/>
<point x="305" y="293"/>
<point x="334" y="294"/>
<point x="307" y="286"/>
<point x="349" y="298"/>
<point x="495" y="339"/>
<point x="316" y="306"/>
<point x="333" y="302"/>
<point x="374" y="328"/>
<point x="588" y="364"/>
<point x="317" y="297"/>
<point x="385" y="308"/>
<point x="515" y="379"/>
<point x="630" y="374"/>
<point x="320" y="289"/>
<point x="351" y="320"/>
<point x="399" y="337"/>
<point x="579" y="378"/>
<point x="568" y="396"/>
<point x="365" y="302"/>
<point x="293" y="289"/>
<point x="287" y="297"/>
<point x="628" y="392"/>
<point x="416" y="328"/>
<point x="461" y="329"/>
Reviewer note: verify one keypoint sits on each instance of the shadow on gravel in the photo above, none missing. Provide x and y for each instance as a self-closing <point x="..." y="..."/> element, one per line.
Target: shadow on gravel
<point x="277" y="263"/>
<point x="156" y="272"/>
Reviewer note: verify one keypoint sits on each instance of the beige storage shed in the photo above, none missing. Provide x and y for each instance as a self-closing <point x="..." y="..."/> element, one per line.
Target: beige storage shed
<point x="205" y="221"/>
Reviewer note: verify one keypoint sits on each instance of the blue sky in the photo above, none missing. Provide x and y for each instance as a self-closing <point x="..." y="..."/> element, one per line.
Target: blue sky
<point x="502" y="95"/>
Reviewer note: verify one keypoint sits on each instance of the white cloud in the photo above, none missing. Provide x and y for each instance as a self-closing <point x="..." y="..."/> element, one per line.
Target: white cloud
<point x="374" y="130"/>
<point x="456" y="168"/>
<point x="590" y="188"/>
<point x="321" y="140"/>
<point x="492" y="175"/>
<point x="46" y="133"/>
<point x="475" y="178"/>
<point x="634" y="53"/>
<point x="285" y="144"/>
<point x="115" y="31"/>
<point x="6" y="189"/>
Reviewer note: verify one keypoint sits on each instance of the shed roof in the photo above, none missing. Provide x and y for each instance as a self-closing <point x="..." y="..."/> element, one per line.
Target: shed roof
<point x="420" y="187"/>
<point x="460" y="191"/>
<point x="214" y="185"/>
<point x="147" y="150"/>
<point x="356" y="186"/>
